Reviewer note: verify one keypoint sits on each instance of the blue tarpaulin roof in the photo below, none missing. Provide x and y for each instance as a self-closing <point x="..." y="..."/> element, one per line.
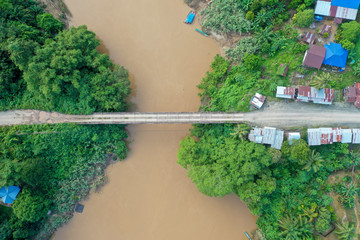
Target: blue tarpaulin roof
<point x="346" y="3"/>
<point x="8" y="194"/>
<point x="335" y="55"/>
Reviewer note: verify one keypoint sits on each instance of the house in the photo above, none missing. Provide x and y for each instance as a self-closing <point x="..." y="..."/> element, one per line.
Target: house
<point x="306" y="94"/>
<point x="314" y="57"/>
<point x="344" y="9"/>
<point x="335" y="55"/>
<point x="322" y="96"/>
<point x="319" y="136"/>
<point x="258" y="100"/>
<point x="309" y="38"/>
<point x="293" y="136"/>
<point x="352" y="94"/>
<point x="267" y="135"/>
<point x="286" y="92"/>
<point x="326" y="29"/>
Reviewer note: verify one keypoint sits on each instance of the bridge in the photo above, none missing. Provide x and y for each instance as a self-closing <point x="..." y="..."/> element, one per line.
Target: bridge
<point x="294" y="116"/>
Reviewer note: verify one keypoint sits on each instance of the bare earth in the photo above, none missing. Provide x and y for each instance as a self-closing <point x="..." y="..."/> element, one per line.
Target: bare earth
<point x="279" y="114"/>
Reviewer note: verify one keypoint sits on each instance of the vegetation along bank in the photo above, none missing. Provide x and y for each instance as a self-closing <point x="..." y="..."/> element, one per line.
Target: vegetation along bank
<point x="47" y="67"/>
<point x="298" y="192"/>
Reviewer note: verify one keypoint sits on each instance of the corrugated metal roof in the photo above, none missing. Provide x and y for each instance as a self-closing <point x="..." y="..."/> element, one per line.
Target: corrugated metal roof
<point x="323" y="8"/>
<point x="314" y="57"/>
<point x="285" y="92"/>
<point x="309" y="38"/>
<point x="337" y="135"/>
<point x="267" y="135"/>
<point x="346" y="135"/>
<point x="314" y="136"/>
<point x="356" y="135"/>
<point x="326" y="136"/>
<point x="258" y="100"/>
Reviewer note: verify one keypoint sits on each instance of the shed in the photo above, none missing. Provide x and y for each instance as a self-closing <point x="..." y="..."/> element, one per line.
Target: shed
<point x="314" y="57"/>
<point x="285" y="92"/>
<point x="335" y="55"/>
<point x="309" y="38"/>
<point x="346" y="135"/>
<point x="326" y="29"/>
<point x="258" y="100"/>
<point x="304" y="94"/>
<point x="293" y="136"/>
<point x="267" y="135"/>
<point x="283" y="70"/>
<point x="326" y="136"/>
<point x="322" y="96"/>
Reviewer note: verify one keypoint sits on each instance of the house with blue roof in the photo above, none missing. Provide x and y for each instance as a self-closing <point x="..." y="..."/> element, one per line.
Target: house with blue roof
<point x="335" y="55"/>
<point x="341" y="9"/>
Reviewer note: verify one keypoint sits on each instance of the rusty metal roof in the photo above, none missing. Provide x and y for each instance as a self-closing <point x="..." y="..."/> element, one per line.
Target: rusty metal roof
<point x="314" y="57"/>
<point x="309" y="38"/>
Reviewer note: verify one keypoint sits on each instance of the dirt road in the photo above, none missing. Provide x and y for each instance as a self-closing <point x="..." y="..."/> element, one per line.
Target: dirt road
<point x="274" y="115"/>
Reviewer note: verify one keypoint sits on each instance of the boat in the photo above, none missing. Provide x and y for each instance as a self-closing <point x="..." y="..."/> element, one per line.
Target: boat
<point x="190" y="17"/>
<point x="248" y="236"/>
<point x="199" y="31"/>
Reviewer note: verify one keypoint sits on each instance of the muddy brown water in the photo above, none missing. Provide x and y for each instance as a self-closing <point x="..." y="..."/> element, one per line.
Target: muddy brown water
<point x="149" y="196"/>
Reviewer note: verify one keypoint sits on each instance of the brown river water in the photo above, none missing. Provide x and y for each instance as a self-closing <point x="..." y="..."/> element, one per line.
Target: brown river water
<point x="149" y="196"/>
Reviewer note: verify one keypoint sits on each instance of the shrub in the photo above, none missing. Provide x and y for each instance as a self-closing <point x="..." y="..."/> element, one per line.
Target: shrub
<point x="304" y="18"/>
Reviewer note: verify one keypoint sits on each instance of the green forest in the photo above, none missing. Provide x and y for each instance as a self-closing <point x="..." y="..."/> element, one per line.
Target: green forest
<point x="46" y="67"/>
<point x="295" y="192"/>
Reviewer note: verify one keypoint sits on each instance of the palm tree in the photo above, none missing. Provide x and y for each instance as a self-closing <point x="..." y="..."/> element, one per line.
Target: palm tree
<point x="310" y="212"/>
<point x="240" y="131"/>
<point x="315" y="162"/>
<point x="321" y="81"/>
<point x="295" y="228"/>
<point x="346" y="231"/>
<point x="354" y="158"/>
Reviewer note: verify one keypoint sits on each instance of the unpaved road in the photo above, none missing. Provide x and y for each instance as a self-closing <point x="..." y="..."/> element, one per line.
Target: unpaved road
<point x="274" y="115"/>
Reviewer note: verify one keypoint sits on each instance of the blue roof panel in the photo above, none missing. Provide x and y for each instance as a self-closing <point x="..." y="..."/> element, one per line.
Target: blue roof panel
<point x="335" y="55"/>
<point x="346" y="3"/>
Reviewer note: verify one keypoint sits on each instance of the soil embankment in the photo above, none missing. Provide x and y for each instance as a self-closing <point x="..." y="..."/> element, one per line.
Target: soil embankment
<point x="149" y="195"/>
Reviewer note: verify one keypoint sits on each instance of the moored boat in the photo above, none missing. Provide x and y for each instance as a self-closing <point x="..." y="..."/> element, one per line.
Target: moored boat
<point x="190" y="17"/>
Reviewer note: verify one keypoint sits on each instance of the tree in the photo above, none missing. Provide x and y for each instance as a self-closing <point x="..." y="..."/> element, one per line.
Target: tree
<point x="29" y="207"/>
<point x="314" y="163"/>
<point x="48" y="23"/>
<point x="304" y="18"/>
<point x="299" y="151"/>
<point x="295" y="228"/>
<point x="350" y="31"/>
<point x="321" y="81"/>
<point x="354" y="158"/>
<point x="241" y="131"/>
<point x="69" y="75"/>
<point x="310" y="212"/>
<point x="346" y="231"/>
<point x="252" y="62"/>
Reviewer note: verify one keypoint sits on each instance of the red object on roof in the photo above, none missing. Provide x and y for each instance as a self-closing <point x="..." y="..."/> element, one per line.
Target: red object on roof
<point x="314" y="57"/>
<point x="309" y="38"/>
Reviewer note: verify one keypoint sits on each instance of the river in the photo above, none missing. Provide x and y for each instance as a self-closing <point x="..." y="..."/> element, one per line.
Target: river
<point x="148" y="195"/>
